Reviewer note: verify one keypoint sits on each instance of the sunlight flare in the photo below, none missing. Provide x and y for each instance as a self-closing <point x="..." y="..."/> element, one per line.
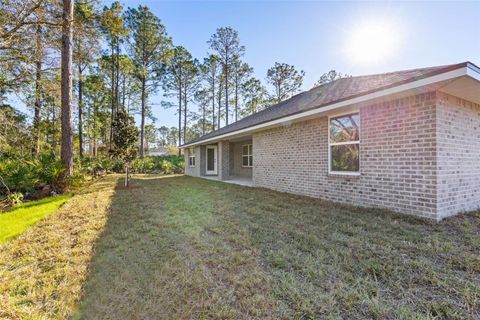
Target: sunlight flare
<point x="371" y="42"/>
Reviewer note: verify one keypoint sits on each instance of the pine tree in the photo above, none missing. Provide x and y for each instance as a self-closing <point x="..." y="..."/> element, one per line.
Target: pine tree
<point x="226" y="43"/>
<point x="150" y="50"/>
<point x="125" y="139"/>
<point x="67" y="90"/>
<point x="286" y="81"/>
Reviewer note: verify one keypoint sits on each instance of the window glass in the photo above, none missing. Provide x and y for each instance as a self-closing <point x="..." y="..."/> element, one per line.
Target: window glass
<point x="247" y="155"/>
<point x="345" y="157"/>
<point x="210" y="159"/>
<point x="345" y="128"/>
<point x="344" y="145"/>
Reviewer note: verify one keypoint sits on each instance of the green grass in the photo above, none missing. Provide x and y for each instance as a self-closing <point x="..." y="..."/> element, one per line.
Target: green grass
<point x="17" y="220"/>
<point x="43" y="269"/>
<point x="188" y="248"/>
<point x="176" y="247"/>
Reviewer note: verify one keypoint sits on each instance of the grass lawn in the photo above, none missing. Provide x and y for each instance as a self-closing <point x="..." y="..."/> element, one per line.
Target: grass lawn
<point x="17" y="220"/>
<point x="43" y="269"/>
<point x="187" y="248"/>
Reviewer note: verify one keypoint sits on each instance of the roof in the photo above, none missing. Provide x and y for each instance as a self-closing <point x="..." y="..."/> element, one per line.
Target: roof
<point x="333" y="92"/>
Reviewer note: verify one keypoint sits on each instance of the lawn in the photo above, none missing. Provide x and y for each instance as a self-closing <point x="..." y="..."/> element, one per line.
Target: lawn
<point x="16" y="221"/>
<point x="176" y="247"/>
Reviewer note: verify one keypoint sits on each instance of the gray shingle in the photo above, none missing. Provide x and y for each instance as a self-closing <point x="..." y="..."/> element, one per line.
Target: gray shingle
<point x="336" y="91"/>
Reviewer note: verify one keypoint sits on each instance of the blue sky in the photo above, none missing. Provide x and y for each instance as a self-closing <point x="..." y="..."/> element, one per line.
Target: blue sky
<point x="314" y="36"/>
<point x="317" y="36"/>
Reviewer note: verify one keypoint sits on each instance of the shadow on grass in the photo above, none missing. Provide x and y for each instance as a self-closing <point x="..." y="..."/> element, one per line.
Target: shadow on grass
<point x="188" y="248"/>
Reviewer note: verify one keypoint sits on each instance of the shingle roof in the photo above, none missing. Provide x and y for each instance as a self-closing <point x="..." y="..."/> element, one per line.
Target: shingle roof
<point x="336" y="91"/>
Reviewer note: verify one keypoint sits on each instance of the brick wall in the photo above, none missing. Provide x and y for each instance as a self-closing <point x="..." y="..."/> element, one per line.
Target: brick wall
<point x="458" y="138"/>
<point x="224" y="160"/>
<point x="418" y="155"/>
<point x="397" y="158"/>
<point x="236" y="160"/>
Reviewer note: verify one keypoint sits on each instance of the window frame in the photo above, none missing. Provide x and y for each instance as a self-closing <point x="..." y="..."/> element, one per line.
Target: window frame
<point x="191" y="155"/>
<point x="248" y="155"/>
<point x="330" y="144"/>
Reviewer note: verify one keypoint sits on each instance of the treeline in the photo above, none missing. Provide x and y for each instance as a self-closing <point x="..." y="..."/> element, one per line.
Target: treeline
<point x="79" y="65"/>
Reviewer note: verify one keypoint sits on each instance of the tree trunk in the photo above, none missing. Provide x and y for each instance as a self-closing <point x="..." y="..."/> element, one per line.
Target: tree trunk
<point x="95" y="128"/>
<point x="117" y="81"/>
<point x="203" y="119"/>
<point x="38" y="79"/>
<point x="112" y="115"/>
<point x="52" y="141"/>
<point x="67" y="92"/>
<point x="126" y="175"/>
<point x="80" y="112"/>
<point x="142" y="125"/>
<point x="179" y="122"/>
<point x="226" y="91"/>
<point x="89" y="125"/>
<point x="213" y="102"/>
<point x="236" y="98"/>
<point x="219" y="103"/>
<point x="185" y="116"/>
<point x="124" y="92"/>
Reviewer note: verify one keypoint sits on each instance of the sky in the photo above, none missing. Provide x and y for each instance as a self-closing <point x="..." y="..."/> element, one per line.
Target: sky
<point x="354" y="38"/>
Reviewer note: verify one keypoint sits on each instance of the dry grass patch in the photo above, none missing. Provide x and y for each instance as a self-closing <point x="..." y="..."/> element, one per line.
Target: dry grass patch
<point x="185" y="248"/>
<point x="188" y="248"/>
<point x="42" y="271"/>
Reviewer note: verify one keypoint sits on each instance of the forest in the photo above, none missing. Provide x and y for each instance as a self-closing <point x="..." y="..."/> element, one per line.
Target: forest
<point x="79" y="81"/>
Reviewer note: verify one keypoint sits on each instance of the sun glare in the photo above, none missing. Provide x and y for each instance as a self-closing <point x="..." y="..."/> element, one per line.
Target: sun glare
<point x="372" y="42"/>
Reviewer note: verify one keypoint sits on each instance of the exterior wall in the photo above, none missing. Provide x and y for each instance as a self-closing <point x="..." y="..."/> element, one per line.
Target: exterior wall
<point x="193" y="171"/>
<point x="223" y="158"/>
<point x="458" y="139"/>
<point x="236" y="160"/>
<point x="397" y="158"/>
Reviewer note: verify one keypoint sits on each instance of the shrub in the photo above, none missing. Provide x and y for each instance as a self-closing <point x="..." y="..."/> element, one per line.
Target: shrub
<point x="144" y="165"/>
<point x="167" y="167"/>
<point x="15" y="198"/>
<point x="48" y="168"/>
<point x="18" y="175"/>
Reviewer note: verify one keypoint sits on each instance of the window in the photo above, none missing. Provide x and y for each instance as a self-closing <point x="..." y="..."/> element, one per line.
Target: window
<point x="191" y="157"/>
<point x="344" y="144"/>
<point x="247" y="155"/>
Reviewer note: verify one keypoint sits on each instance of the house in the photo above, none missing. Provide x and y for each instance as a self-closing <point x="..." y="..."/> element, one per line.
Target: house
<point x="159" y="151"/>
<point x="407" y="141"/>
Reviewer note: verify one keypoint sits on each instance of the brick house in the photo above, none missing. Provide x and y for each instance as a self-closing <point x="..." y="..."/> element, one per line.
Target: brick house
<point x="407" y="141"/>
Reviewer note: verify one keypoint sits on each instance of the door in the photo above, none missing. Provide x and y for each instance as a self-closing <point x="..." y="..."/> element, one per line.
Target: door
<point x="212" y="160"/>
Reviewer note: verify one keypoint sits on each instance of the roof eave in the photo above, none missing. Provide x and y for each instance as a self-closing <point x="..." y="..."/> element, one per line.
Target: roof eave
<point x="466" y="68"/>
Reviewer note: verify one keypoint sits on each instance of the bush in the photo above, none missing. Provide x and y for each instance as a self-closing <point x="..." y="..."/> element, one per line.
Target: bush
<point x="48" y="168"/>
<point x="36" y="176"/>
<point x="167" y="167"/>
<point x="15" y="199"/>
<point x="166" y="164"/>
<point x="17" y="175"/>
<point x="143" y="165"/>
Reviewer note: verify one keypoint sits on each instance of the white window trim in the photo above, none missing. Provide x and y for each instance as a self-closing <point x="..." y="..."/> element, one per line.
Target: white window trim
<point x="344" y="173"/>
<point x="190" y="156"/>
<point x="248" y="155"/>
